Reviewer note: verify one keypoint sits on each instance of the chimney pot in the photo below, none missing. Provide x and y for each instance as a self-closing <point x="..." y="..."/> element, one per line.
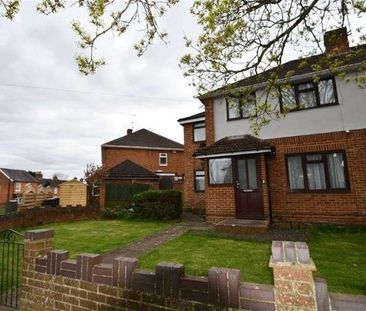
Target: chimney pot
<point x="129" y="131"/>
<point x="336" y="41"/>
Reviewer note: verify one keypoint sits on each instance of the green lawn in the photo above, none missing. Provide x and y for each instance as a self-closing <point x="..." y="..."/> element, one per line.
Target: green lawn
<point x="91" y="236"/>
<point x="200" y="252"/>
<point x="2" y="211"/>
<point x="340" y="257"/>
<point x="100" y="236"/>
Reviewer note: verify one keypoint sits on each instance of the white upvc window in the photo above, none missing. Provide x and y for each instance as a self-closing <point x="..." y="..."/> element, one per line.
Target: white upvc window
<point x="163" y="159"/>
<point x="18" y="187"/>
<point x="20" y="200"/>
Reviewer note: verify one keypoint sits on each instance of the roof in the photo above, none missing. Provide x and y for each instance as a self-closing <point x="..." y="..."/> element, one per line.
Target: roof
<point x="235" y="144"/>
<point x="301" y="66"/>
<point x="192" y="117"/>
<point x="51" y="182"/>
<point x="18" y="175"/>
<point x="144" y="139"/>
<point x="129" y="169"/>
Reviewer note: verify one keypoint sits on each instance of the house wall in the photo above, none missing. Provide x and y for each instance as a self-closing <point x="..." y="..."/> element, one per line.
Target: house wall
<point x="4" y="189"/>
<point x="149" y="159"/>
<point x="192" y="199"/>
<point x="340" y="207"/>
<point x="349" y="114"/>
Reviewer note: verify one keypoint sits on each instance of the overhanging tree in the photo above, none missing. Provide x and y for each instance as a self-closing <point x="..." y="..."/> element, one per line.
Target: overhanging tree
<point x="105" y="16"/>
<point x="246" y="38"/>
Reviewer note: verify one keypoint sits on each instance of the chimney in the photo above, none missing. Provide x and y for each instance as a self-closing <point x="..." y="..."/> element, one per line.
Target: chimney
<point x="38" y="175"/>
<point x="129" y="131"/>
<point x="336" y="41"/>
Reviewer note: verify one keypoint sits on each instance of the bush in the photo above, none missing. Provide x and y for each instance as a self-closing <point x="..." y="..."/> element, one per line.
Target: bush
<point x="117" y="210"/>
<point x="158" y="204"/>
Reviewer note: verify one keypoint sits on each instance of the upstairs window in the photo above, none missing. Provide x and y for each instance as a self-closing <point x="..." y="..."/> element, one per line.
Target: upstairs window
<point x="199" y="181"/>
<point x="317" y="172"/>
<point x="163" y="159"/>
<point x="309" y="95"/>
<point x="199" y="132"/>
<point x="240" y="108"/>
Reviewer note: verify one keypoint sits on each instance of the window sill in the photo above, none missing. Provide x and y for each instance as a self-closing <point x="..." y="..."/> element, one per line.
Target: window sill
<point x="310" y="108"/>
<point x="335" y="191"/>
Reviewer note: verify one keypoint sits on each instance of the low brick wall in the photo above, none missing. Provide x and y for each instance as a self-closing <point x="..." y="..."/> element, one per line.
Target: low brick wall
<point x="38" y="216"/>
<point x="52" y="281"/>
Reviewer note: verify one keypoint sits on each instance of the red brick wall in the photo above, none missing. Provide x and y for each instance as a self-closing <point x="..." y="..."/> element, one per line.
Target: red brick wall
<point x="209" y="118"/>
<point x="149" y="159"/>
<point x="192" y="199"/>
<point x="320" y="207"/>
<point x="4" y="189"/>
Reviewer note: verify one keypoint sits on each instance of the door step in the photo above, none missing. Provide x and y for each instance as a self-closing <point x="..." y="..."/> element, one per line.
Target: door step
<point x="242" y="226"/>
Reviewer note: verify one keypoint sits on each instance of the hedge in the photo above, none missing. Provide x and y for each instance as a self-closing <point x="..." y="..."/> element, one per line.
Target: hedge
<point x="158" y="204"/>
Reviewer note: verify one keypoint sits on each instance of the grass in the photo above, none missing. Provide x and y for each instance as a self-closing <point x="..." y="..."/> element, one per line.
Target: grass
<point x="91" y="236"/>
<point x="101" y="236"/>
<point x="340" y="258"/>
<point x="2" y="211"/>
<point x="199" y="252"/>
<point x="339" y="255"/>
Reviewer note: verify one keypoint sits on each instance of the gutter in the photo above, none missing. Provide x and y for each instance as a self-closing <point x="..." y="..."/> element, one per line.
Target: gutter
<point x="295" y="79"/>
<point x="229" y="154"/>
<point x="191" y="120"/>
<point x="144" y="148"/>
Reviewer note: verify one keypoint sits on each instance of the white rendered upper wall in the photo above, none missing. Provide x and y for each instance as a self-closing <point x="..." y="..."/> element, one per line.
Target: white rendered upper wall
<point x="350" y="114"/>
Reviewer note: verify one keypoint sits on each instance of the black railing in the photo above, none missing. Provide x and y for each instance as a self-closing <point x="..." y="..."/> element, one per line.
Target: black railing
<point x="11" y="261"/>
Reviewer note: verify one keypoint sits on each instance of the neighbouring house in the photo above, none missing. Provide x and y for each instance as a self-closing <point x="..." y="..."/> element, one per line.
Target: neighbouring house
<point x="142" y="157"/>
<point x="13" y="184"/>
<point x="54" y="183"/>
<point x="309" y="166"/>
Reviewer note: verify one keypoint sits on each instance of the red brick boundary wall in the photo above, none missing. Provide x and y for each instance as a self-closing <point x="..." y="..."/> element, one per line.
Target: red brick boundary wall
<point x="37" y="216"/>
<point x="52" y="281"/>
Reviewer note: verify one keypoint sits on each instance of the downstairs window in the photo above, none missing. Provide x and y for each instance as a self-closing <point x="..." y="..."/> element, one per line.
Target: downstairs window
<point x="317" y="171"/>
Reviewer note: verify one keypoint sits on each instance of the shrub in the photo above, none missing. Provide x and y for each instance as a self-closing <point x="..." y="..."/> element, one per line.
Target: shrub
<point x="117" y="210"/>
<point x="158" y="204"/>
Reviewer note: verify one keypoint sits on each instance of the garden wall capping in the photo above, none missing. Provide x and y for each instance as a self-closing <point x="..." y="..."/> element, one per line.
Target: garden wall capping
<point x="52" y="281"/>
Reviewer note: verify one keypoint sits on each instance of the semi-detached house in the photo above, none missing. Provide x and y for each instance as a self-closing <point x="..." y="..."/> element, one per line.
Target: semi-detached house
<point x="309" y="166"/>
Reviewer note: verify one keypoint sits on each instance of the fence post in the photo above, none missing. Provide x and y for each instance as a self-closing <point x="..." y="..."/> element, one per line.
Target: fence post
<point x="294" y="286"/>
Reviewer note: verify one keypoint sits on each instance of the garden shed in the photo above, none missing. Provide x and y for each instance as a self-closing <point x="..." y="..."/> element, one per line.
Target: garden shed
<point x="73" y="193"/>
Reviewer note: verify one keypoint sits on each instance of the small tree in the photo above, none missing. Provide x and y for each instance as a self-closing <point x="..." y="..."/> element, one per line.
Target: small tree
<point x="93" y="175"/>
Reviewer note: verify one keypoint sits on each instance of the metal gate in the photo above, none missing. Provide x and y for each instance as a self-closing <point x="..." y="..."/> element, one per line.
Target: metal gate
<point x="11" y="262"/>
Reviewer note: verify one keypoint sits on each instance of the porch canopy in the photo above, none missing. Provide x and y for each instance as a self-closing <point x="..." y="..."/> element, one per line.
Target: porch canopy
<point x="233" y="146"/>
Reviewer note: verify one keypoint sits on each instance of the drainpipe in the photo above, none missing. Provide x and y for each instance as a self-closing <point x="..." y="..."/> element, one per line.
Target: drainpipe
<point x="266" y="158"/>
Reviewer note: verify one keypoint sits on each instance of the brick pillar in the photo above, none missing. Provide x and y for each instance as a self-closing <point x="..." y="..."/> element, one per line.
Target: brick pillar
<point x="167" y="279"/>
<point x="294" y="286"/>
<point x="36" y="242"/>
<point x="223" y="287"/>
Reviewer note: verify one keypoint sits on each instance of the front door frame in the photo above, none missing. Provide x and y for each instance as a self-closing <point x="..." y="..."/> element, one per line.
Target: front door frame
<point x="257" y="158"/>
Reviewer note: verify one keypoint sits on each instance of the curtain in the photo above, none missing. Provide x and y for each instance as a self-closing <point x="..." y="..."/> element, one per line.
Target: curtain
<point x="295" y="172"/>
<point x="316" y="176"/>
<point x="336" y="170"/>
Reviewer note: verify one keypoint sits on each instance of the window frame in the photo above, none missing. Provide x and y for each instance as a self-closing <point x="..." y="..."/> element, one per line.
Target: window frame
<point x="198" y="127"/>
<point x="241" y="117"/>
<point x="326" y="172"/>
<point x="16" y="188"/>
<point x="163" y="155"/>
<point x="204" y="180"/>
<point x="209" y="171"/>
<point x="315" y="87"/>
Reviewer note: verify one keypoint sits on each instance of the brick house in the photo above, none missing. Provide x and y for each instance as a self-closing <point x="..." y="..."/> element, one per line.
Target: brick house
<point x="142" y="157"/>
<point x="13" y="184"/>
<point x="306" y="167"/>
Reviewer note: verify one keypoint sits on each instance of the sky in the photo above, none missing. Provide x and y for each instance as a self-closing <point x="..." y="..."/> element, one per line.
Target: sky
<point x="54" y="120"/>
